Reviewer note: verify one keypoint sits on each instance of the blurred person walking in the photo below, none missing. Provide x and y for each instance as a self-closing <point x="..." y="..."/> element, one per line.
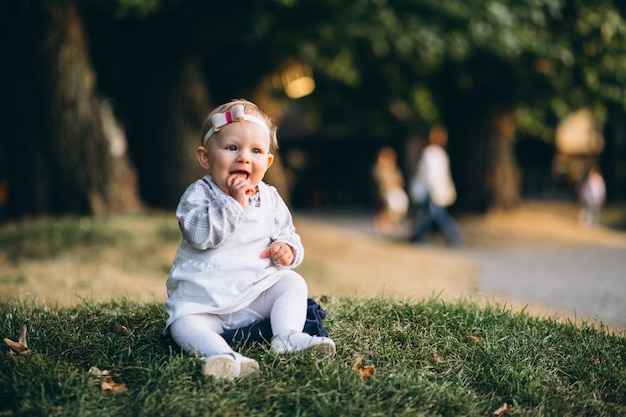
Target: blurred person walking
<point x="393" y="202"/>
<point x="592" y="193"/>
<point x="432" y="191"/>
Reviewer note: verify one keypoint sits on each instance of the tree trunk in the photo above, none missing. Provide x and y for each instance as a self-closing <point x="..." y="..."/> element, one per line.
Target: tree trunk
<point x="168" y="107"/>
<point x="482" y="159"/>
<point x="503" y="177"/>
<point x="613" y="158"/>
<point x="60" y="159"/>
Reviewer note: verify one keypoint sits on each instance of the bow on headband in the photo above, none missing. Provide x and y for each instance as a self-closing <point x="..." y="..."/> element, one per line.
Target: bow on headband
<point x="219" y="120"/>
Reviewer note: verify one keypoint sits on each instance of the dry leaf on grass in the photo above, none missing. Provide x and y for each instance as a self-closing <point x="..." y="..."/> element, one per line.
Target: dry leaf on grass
<point x="475" y="339"/>
<point x="107" y="384"/>
<point x="364" y="372"/>
<point x="20" y="347"/>
<point x="123" y="330"/>
<point x="501" y="411"/>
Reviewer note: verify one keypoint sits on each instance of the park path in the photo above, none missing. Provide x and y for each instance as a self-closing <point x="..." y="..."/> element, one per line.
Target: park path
<point x="537" y="256"/>
<point x="587" y="282"/>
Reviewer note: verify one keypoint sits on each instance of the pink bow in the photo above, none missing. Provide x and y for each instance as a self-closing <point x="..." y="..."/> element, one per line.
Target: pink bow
<point x="237" y="114"/>
<point x="220" y="120"/>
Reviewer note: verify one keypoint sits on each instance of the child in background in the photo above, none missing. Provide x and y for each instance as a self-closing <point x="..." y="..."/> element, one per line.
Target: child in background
<point x="592" y="193"/>
<point x="235" y="263"/>
<point x="393" y="201"/>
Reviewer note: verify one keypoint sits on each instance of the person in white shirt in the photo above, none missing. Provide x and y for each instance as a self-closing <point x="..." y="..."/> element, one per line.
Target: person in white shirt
<point x="432" y="190"/>
<point x="235" y="263"/>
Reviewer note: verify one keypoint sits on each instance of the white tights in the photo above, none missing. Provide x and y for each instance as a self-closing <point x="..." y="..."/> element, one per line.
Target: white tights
<point x="284" y="303"/>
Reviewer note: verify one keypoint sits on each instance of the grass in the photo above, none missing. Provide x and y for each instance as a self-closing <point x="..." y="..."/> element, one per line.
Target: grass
<point x="42" y="238"/>
<point x="431" y="358"/>
<point x="46" y="238"/>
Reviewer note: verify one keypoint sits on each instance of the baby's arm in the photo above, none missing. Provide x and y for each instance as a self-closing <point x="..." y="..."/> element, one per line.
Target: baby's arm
<point x="280" y="252"/>
<point x="205" y="218"/>
<point x="285" y="242"/>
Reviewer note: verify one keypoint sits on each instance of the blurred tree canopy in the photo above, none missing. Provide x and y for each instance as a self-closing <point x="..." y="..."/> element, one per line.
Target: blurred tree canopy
<point x="104" y="98"/>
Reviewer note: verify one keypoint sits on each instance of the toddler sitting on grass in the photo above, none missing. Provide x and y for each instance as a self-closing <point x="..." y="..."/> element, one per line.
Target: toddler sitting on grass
<point x="235" y="263"/>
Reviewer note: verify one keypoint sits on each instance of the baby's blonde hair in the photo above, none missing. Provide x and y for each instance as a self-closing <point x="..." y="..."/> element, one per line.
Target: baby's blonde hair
<point x="249" y="108"/>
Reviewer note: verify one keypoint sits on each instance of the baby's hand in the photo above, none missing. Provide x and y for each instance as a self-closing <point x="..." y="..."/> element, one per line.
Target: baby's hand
<point x="240" y="189"/>
<point x="280" y="252"/>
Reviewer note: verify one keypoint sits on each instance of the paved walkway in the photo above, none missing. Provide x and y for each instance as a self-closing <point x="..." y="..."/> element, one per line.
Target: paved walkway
<point x="586" y="281"/>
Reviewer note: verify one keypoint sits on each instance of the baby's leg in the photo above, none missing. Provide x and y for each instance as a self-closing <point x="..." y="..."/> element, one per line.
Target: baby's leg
<point x="288" y="310"/>
<point x="200" y="333"/>
<point x="286" y="303"/>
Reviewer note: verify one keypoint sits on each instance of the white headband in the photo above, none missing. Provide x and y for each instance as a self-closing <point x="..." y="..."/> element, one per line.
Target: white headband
<point x="237" y="114"/>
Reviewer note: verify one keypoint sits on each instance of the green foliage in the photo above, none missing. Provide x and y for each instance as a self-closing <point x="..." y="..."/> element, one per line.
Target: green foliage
<point x="384" y="52"/>
<point x="431" y="359"/>
<point x="381" y="52"/>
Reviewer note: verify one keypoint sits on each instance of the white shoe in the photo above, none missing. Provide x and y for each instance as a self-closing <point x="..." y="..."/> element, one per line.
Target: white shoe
<point x="296" y="342"/>
<point x="247" y="366"/>
<point x="230" y="366"/>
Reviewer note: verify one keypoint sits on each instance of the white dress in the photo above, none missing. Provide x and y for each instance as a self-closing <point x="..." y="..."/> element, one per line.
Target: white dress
<point x="217" y="268"/>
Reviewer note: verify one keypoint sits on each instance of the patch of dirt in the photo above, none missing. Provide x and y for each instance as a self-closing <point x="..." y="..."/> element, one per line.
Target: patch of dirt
<point x="344" y="262"/>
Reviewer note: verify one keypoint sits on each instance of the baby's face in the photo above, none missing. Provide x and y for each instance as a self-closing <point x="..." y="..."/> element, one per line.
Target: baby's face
<point x="239" y="150"/>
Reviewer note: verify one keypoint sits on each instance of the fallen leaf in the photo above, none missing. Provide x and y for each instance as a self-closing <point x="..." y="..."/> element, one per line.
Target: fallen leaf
<point x="20" y="347"/>
<point x="107" y="384"/>
<point x="501" y="411"/>
<point x="123" y="330"/>
<point x="364" y="372"/>
<point x="438" y="358"/>
<point x="475" y="339"/>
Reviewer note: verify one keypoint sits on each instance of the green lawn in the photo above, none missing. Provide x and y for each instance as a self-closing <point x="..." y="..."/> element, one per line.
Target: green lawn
<point x="431" y="358"/>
